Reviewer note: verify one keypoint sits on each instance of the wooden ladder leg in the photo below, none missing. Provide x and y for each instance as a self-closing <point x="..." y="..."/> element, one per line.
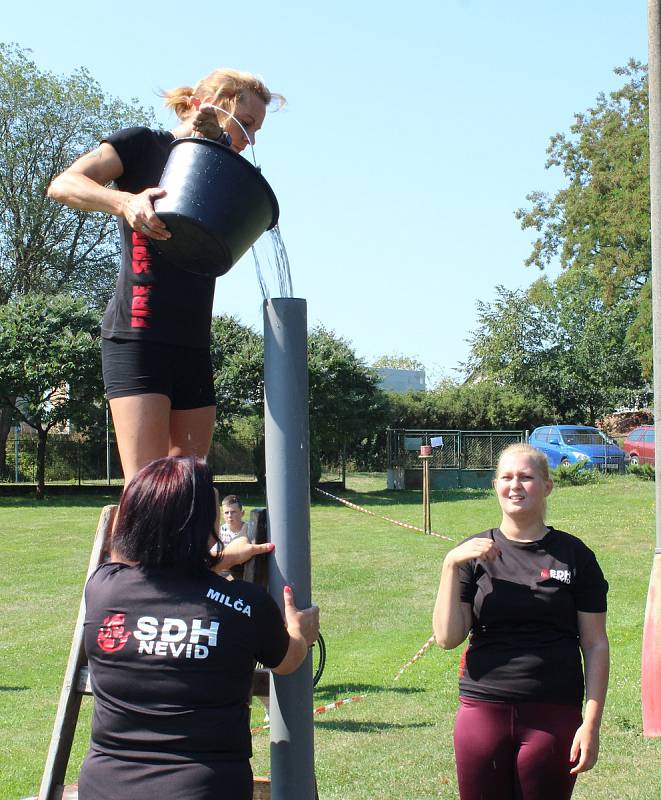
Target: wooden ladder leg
<point x="52" y="783"/>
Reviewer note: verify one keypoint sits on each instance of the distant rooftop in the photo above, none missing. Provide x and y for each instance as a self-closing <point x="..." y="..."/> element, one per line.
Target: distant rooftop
<point x="401" y="380"/>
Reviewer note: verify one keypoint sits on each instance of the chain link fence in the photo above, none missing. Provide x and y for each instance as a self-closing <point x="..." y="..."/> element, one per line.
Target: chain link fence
<point x="71" y="459"/>
<point x="450" y="449"/>
<point x="74" y="460"/>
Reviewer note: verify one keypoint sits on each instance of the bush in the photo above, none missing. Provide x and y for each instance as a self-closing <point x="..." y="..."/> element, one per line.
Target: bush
<point x="645" y="472"/>
<point x="575" y="475"/>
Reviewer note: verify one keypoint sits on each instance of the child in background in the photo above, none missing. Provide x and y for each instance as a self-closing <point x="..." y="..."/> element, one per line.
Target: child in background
<point x="232" y="527"/>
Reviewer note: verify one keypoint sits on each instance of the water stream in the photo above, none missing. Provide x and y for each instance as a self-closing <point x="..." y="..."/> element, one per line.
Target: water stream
<point x="274" y="257"/>
<point x="272" y="265"/>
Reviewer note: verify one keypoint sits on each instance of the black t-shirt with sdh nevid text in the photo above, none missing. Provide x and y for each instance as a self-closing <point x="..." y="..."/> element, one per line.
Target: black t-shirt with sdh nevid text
<point x="171" y="661"/>
<point x="524" y="642"/>
<point x="153" y="300"/>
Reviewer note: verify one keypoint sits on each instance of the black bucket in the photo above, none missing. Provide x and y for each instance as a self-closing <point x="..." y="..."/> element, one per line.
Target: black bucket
<point x="217" y="205"/>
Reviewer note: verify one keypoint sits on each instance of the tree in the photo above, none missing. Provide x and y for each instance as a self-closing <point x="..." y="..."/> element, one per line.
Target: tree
<point x="559" y="343"/>
<point x="398" y="362"/>
<point x="51" y="366"/>
<point x="46" y="122"/>
<point x="600" y="221"/>
<point x="482" y="405"/>
<point x="237" y="355"/>
<point x="346" y="405"/>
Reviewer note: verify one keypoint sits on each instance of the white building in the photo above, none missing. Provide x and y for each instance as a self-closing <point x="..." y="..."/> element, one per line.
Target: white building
<point x="401" y="380"/>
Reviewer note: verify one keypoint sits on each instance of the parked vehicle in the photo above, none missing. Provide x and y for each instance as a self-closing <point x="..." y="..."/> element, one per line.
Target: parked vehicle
<point x="570" y="444"/>
<point x="639" y="445"/>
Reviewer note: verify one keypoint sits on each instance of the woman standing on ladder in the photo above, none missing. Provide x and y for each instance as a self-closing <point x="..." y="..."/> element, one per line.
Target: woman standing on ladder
<point x="156" y="329"/>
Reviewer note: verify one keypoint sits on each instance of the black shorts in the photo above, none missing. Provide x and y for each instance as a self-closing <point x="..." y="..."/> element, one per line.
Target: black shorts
<point x="184" y="374"/>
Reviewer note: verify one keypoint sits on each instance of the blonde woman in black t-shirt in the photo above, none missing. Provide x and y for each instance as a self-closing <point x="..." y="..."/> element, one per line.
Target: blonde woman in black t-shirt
<point x="156" y="330"/>
<point x="532" y="600"/>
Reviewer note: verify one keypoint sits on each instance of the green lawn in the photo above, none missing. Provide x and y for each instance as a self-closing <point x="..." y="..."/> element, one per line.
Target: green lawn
<point x="375" y="584"/>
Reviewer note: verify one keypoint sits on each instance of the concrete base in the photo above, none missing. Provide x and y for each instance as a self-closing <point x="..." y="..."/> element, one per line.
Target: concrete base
<point x="395" y="478"/>
<point x="448" y="479"/>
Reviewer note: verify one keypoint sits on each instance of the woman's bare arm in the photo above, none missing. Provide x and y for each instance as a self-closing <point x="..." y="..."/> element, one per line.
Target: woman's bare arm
<point x="452" y="619"/>
<point x="593" y="640"/>
<point x="83" y="185"/>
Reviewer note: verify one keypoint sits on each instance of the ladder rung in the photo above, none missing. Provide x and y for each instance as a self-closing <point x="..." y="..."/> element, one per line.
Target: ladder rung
<point x="83" y="685"/>
<point x="260" y="683"/>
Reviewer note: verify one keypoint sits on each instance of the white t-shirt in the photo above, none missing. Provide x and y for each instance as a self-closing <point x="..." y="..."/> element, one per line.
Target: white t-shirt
<point x="226" y="535"/>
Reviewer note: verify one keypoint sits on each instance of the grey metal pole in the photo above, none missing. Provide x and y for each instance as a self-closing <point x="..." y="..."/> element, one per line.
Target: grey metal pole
<point x="288" y="508"/>
<point x="651" y="657"/>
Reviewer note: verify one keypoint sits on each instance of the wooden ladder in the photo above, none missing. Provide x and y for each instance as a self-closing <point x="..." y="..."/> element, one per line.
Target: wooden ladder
<point x="76" y="677"/>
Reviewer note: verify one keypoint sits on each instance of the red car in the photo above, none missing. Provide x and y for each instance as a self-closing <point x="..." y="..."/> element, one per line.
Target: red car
<point x="639" y="445"/>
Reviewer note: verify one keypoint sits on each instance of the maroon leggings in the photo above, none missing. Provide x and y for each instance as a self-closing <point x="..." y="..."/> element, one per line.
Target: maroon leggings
<point x="514" y="751"/>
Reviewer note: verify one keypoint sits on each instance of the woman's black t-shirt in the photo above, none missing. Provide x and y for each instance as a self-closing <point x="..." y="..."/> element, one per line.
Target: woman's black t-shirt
<point x="153" y="300"/>
<point x="524" y="642"/>
<point x="171" y="661"/>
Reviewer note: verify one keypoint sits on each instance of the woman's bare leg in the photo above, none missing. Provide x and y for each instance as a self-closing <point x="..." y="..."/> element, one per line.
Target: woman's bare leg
<point x="142" y="427"/>
<point x="191" y="431"/>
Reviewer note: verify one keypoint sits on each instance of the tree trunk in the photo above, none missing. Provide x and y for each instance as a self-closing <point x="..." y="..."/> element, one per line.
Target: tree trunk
<point x="593" y="415"/>
<point x="41" y="463"/>
<point x="5" y="427"/>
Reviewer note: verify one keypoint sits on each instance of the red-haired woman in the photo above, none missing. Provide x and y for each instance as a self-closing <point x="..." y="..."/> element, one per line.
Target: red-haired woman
<point x="156" y="330"/>
<point x="171" y="646"/>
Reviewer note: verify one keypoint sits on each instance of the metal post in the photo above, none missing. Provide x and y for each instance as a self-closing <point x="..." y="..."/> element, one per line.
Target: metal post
<point x="17" y="431"/>
<point x="425" y="492"/>
<point x="425" y="455"/>
<point x="344" y="463"/>
<point x="288" y="507"/>
<point x="651" y="660"/>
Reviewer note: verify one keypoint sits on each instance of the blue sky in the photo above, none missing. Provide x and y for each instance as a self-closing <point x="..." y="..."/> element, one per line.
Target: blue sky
<point x="411" y="134"/>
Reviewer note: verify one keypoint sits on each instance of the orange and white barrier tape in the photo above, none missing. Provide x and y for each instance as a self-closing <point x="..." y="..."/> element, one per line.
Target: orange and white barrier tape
<point x="337" y="704"/>
<point x="380" y="516"/>
<point x="418" y="655"/>
<point x="319" y="710"/>
<point x="260" y="728"/>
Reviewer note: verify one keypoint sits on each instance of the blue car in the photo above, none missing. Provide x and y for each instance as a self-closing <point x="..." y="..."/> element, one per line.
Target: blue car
<point x="570" y="444"/>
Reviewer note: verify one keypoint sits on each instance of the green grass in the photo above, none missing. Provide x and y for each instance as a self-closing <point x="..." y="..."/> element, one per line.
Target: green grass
<point x="375" y="584"/>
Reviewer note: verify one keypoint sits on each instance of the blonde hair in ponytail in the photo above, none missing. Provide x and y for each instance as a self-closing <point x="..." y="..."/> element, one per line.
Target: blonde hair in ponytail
<point x="225" y="87"/>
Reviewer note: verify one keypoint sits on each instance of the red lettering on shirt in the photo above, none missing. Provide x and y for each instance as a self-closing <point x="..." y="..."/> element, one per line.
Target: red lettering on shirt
<point x="140" y="255"/>
<point x="141" y="295"/>
<point x="141" y="306"/>
<point x="462" y="663"/>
